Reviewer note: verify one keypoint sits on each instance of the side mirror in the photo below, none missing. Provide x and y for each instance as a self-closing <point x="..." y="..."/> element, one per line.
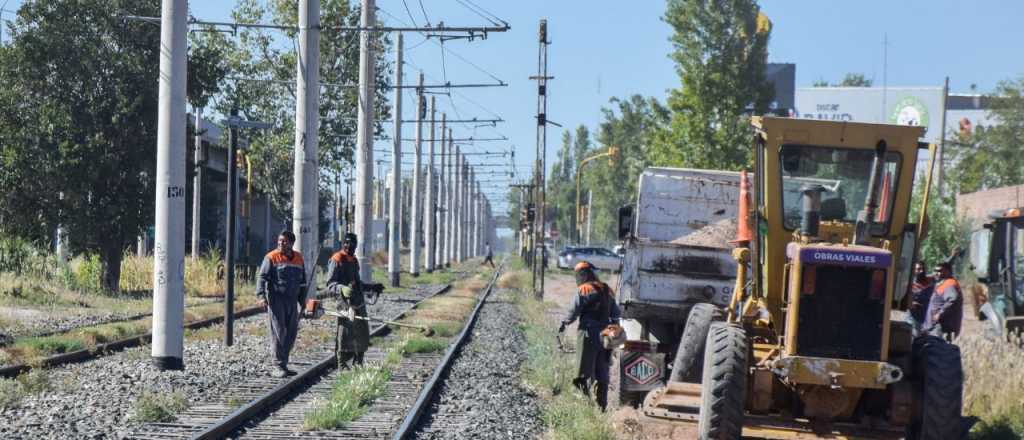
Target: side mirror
<point x="625" y="222"/>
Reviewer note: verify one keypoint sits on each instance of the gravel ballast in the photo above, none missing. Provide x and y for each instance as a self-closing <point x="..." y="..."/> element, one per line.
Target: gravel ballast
<point x="96" y="399"/>
<point x="483" y="396"/>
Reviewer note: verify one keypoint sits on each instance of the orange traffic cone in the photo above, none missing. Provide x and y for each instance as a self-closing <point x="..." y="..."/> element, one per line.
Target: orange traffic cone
<point x="743" y="232"/>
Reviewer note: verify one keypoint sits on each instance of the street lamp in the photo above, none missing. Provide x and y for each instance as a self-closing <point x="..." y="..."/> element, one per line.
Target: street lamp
<point x="612" y="154"/>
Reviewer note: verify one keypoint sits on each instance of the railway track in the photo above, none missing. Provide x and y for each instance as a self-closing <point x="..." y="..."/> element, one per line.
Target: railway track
<point x="266" y="408"/>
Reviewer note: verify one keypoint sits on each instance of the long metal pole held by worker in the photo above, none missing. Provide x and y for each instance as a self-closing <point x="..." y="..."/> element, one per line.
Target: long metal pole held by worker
<point x="395" y="210"/>
<point x="305" y="200"/>
<point x="169" y="259"/>
<point x="415" y="222"/>
<point x="231" y="222"/>
<point x="364" y="141"/>
<point x="430" y="207"/>
<point x="197" y="185"/>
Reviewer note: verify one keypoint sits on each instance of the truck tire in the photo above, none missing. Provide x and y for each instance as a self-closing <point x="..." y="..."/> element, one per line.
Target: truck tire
<point x="688" y="365"/>
<point x="938" y="381"/>
<point x="724" y="383"/>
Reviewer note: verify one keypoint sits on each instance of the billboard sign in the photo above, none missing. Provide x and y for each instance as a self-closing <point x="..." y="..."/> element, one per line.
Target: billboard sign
<point x="920" y="106"/>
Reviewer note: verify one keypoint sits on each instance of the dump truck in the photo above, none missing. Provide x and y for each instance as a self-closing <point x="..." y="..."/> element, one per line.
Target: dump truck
<point x="997" y="259"/>
<point x="813" y="342"/>
<point x="676" y="256"/>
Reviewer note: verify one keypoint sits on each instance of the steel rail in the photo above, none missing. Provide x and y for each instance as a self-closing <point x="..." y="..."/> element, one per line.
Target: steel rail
<point x="103" y="349"/>
<point x="411" y="420"/>
<point x="232" y="421"/>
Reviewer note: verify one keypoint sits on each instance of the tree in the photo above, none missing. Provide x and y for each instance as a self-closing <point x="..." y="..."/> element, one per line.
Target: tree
<point x="263" y="87"/>
<point x="630" y="125"/>
<point x="78" y="117"/>
<point x="855" y="80"/>
<point x="720" y="52"/>
<point x="850" y="80"/>
<point x="990" y="157"/>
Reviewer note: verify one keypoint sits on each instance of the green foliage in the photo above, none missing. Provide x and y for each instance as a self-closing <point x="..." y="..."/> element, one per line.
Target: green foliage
<point x="945" y="232"/>
<point x="631" y="125"/>
<point x="720" y="52"/>
<point x="269" y="95"/>
<point x="153" y="407"/>
<point x="78" y="123"/>
<point x="420" y="344"/>
<point x="350" y="398"/>
<point x="989" y="157"/>
<point x="12" y="391"/>
<point x="47" y="345"/>
<point x="850" y="80"/>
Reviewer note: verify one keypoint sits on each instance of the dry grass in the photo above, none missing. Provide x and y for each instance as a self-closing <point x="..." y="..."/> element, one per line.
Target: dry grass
<point x="993" y="386"/>
<point x="31" y="349"/>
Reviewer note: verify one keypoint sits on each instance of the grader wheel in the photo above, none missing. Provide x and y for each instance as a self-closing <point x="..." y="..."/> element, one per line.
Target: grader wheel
<point x="724" y="383"/>
<point x="938" y="381"/>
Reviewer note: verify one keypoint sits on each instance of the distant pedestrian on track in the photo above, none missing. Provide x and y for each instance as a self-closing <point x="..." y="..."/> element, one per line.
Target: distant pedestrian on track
<point x="946" y="309"/>
<point x="488" y="255"/>
<point x="596" y="308"/>
<point x="353" y="336"/>
<point x="281" y="287"/>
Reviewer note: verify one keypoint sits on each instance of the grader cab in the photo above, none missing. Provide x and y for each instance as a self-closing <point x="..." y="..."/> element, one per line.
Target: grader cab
<point x="814" y="341"/>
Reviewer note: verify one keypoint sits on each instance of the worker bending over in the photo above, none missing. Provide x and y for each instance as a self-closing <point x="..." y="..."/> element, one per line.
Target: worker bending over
<point x="595" y="307"/>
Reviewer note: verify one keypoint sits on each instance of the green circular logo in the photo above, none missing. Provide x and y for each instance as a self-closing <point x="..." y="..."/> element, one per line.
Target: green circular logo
<point x="909" y="111"/>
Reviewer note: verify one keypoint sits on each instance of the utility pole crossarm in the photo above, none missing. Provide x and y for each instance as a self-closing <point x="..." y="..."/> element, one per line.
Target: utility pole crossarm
<point x="440" y="28"/>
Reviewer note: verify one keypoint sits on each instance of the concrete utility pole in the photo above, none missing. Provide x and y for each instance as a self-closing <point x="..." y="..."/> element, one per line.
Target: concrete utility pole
<point x="197" y="185"/>
<point x="456" y="198"/>
<point x="415" y="230"/>
<point x="395" y="211"/>
<point x="364" y="141"/>
<point x="474" y="215"/>
<point x="169" y="258"/>
<point x="305" y="211"/>
<point x="430" y="207"/>
<point x="444" y="189"/>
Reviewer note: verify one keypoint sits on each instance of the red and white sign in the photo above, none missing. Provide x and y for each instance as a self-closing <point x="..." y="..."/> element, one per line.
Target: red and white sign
<point x="642" y="371"/>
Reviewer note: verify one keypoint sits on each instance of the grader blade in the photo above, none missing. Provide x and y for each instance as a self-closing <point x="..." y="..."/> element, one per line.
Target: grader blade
<point x="675" y="401"/>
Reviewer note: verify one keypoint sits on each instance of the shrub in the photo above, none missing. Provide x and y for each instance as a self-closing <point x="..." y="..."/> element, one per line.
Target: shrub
<point x="157" y="407"/>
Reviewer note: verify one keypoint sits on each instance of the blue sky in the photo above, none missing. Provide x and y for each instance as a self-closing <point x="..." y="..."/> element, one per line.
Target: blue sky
<point x="602" y="49"/>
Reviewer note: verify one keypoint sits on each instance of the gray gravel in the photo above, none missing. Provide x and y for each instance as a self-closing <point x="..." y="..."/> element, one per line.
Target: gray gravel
<point x="483" y="395"/>
<point x="95" y="399"/>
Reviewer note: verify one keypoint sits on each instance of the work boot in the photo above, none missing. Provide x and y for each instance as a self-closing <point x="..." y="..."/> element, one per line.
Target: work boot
<point x="289" y="371"/>
<point x="602" y="395"/>
<point x="279" y="372"/>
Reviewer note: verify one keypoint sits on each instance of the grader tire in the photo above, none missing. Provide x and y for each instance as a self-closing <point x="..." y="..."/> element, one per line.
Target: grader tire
<point x="724" y="383"/>
<point x="689" y="361"/>
<point x="938" y="381"/>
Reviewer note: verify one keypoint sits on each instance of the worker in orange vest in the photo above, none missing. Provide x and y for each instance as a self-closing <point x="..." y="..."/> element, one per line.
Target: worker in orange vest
<point x="281" y="288"/>
<point x="946" y="309"/>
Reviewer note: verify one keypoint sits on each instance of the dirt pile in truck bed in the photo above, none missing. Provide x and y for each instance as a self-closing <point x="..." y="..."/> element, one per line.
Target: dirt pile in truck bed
<point x="715" y="235"/>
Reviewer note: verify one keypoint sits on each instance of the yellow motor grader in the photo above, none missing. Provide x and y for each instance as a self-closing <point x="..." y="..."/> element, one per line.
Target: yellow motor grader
<point x="815" y="341"/>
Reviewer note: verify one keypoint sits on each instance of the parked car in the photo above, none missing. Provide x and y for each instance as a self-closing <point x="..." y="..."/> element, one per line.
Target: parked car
<point x="601" y="258"/>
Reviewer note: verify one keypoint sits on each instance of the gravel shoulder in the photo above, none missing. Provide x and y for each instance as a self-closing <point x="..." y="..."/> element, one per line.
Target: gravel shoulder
<point x="483" y="396"/>
<point x="96" y="399"/>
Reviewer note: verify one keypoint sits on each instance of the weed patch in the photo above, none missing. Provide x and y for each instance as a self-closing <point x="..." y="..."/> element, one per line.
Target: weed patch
<point x="157" y="407"/>
<point x="350" y="398"/>
<point x="12" y="391"/>
<point x="421" y="344"/>
<point x="993" y="391"/>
